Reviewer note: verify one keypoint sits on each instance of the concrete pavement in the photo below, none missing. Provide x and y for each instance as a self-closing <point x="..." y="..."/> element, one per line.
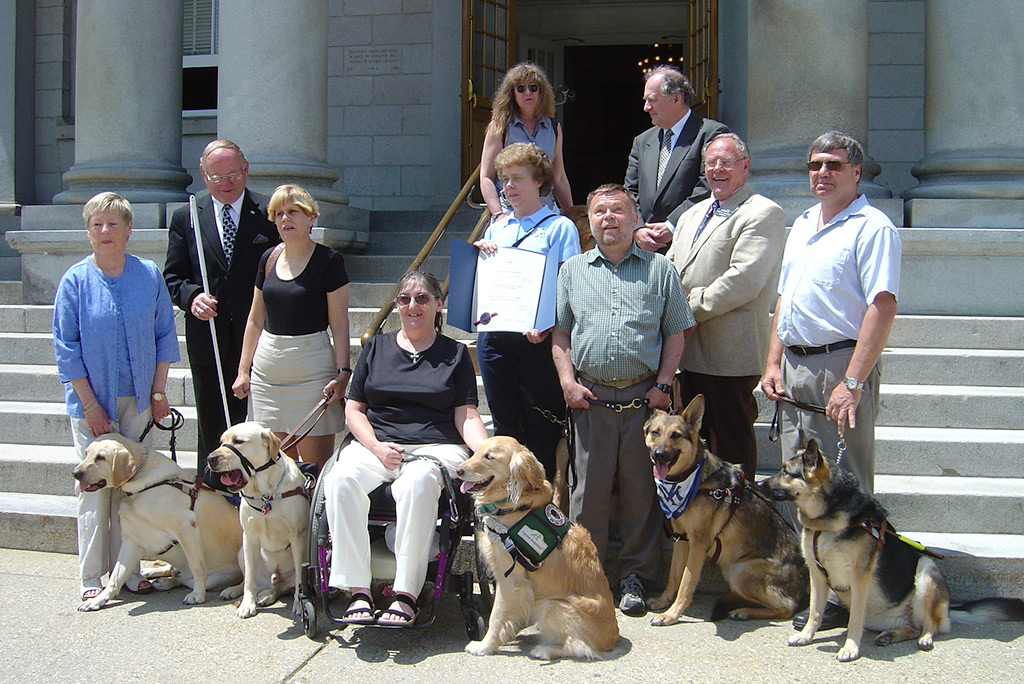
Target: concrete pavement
<point x="156" y="639"/>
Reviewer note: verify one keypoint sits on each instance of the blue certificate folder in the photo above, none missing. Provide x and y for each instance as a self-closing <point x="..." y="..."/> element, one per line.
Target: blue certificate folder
<point x="462" y="285"/>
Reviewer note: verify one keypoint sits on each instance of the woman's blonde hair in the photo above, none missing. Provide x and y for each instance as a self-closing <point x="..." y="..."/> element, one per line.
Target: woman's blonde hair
<point x="292" y="194"/>
<point x="530" y="156"/>
<point x="107" y="201"/>
<point x="503" y="108"/>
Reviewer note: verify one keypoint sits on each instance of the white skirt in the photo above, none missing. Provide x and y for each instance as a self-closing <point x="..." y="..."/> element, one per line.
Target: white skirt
<point x="287" y="380"/>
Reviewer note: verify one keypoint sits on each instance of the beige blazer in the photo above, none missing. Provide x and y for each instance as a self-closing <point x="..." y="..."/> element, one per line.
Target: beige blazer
<point x="729" y="275"/>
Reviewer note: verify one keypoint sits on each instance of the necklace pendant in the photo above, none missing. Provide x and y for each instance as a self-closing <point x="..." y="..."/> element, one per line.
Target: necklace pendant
<point x="415" y="356"/>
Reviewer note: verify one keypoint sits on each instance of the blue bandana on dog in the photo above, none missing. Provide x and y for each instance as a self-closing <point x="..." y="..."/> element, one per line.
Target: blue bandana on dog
<point x="675" y="497"/>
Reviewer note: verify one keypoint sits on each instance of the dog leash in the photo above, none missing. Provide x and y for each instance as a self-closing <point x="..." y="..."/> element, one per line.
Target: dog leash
<point x="774" y="427"/>
<point x="177" y="421"/>
<point x="293" y="437"/>
<point x="445" y="476"/>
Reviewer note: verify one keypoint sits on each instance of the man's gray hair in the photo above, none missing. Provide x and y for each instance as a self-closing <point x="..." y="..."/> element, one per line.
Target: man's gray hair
<point x="674" y="82"/>
<point x="837" y="140"/>
<point x="741" y="146"/>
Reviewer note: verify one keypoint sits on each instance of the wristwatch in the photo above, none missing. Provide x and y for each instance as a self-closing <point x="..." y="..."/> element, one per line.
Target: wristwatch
<point x="158" y="396"/>
<point x="853" y="383"/>
<point x="664" y="387"/>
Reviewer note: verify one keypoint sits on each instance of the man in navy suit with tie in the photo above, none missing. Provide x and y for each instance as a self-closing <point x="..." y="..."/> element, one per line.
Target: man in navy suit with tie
<point x="665" y="170"/>
<point x="236" y="232"/>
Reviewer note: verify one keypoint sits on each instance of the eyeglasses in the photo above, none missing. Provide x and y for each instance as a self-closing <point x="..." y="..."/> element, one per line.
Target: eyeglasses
<point x="832" y="165"/>
<point x="521" y="88"/>
<point x="725" y="162"/>
<point x="226" y="178"/>
<point x="422" y="299"/>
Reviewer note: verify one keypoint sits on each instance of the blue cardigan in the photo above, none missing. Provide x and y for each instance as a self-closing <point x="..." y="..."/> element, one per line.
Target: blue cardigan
<point x="84" y="315"/>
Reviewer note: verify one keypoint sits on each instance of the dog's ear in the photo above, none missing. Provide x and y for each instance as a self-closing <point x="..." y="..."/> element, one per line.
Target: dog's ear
<point x="124" y="460"/>
<point x="271" y="441"/>
<point x="812" y="456"/>
<point x="525" y="474"/>
<point x="694" y="412"/>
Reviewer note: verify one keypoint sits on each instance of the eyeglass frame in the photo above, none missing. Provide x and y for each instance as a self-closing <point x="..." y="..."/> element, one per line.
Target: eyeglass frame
<point x="226" y="178"/>
<point x="521" y="88"/>
<point x="728" y="165"/>
<point x="832" y="165"/>
<point x="422" y="298"/>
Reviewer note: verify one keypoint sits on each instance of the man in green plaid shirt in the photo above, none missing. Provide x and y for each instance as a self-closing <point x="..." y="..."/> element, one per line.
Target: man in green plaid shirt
<point x="618" y="337"/>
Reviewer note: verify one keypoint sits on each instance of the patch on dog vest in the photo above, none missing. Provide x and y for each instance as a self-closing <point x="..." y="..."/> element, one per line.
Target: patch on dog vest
<point x="539" y="533"/>
<point x="675" y="497"/>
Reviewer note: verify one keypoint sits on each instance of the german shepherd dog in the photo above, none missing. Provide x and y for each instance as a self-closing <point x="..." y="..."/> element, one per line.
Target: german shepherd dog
<point x="887" y="584"/>
<point x="726" y="520"/>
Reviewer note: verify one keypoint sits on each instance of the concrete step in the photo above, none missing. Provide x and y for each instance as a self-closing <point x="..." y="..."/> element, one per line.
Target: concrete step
<point x="981" y="505"/>
<point x="958" y="332"/>
<point x="32" y="382"/>
<point x="377" y="268"/>
<point x="46" y="423"/>
<point x="924" y="366"/>
<point x="955" y="452"/>
<point x="10" y="292"/>
<point x="949" y="406"/>
<point x="38" y="522"/>
<point x="977" y="565"/>
<point x="409" y="242"/>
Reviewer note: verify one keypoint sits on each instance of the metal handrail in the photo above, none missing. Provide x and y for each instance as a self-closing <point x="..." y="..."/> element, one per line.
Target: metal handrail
<point x="387" y="307"/>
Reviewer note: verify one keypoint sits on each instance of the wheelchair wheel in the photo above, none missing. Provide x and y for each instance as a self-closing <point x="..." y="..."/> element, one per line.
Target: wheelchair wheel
<point x="309" y="626"/>
<point x="475" y="625"/>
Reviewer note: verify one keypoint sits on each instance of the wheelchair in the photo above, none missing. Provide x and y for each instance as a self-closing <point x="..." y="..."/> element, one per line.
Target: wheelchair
<point x="455" y="521"/>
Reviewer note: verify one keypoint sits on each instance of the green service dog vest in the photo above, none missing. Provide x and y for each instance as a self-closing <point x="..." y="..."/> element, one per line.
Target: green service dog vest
<point x="534" y="537"/>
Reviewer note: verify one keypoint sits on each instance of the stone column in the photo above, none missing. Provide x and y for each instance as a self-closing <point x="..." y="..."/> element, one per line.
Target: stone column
<point x="807" y="73"/>
<point x="974" y="102"/>
<point x="127" y="102"/>
<point x="272" y="101"/>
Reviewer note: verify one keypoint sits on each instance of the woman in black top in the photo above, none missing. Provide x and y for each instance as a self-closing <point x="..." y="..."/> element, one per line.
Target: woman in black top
<point x="413" y="393"/>
<point x="301" y="291"/>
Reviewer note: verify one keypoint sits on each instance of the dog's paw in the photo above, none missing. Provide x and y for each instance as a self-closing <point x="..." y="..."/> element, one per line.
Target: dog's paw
<point x="662" y="602"/>
<point x="800" y="639"/>
<point x="665" y="619"/>
<point x="246" y="609"/>
<point x="849" y="651"/>
<point x="267" y="597"/>
<point x="884" y="639"/>
<point x="231" y="593"/>
<point x="547" y="652"/>
<point x="165" y="583"/>
<point x="158" y="569"/>
<point x="740" y="614"/>
<point x="925" y="643"/>
<point x="194" y="597"/>
<point x="480" y="648"/>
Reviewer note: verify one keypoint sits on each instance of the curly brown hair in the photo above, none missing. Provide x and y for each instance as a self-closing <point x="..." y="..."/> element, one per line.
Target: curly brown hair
<point x="503" y="107"/>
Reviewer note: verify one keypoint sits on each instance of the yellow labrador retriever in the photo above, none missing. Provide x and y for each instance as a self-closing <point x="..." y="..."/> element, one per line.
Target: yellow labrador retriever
<point x="274" y="514"/>
<point x="163" y="517"/>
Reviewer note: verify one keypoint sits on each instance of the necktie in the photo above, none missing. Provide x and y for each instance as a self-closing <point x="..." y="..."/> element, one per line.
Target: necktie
<point x="704" y="221"/>
<point x="230" y="229"/>
<point x="666" y="151"/>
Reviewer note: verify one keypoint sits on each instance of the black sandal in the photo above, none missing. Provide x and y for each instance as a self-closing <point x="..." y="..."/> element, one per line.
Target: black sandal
<point x="407" y="619"/>
<point x="347" y="617"/>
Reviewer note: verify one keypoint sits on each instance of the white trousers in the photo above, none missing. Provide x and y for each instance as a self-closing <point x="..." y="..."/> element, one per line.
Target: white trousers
<point x="416" y="488"/>
<point x="99" y="526"/>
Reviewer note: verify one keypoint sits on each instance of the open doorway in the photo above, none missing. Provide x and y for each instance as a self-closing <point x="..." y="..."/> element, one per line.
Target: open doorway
<point x="605" y="115"/>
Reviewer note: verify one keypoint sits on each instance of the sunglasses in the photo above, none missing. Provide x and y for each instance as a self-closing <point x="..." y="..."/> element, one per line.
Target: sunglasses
<point x="422" y="299"/>
<point x="831" y="165"/>
<point x="522" y="88"/>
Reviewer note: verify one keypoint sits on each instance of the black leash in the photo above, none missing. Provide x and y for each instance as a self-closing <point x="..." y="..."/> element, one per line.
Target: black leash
<point x="774" y="429"/>
<point x="177" y="421"/>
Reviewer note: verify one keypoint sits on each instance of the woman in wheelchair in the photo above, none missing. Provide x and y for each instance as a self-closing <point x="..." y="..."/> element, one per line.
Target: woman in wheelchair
<point x="413" y="392"/>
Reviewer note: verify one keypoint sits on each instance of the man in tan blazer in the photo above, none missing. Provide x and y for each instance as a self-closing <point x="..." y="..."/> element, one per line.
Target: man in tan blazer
<point x="727" y="249"/>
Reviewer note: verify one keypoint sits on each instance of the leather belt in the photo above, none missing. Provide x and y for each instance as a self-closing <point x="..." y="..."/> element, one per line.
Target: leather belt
<point x="823" y="349"/>
<point x="617" y="384"/>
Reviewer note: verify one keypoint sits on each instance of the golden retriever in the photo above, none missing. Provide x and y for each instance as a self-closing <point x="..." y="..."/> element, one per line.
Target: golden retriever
<point x="159" y="520"/>
<point x="568" y="595"/>
<point x="274" y="513"/>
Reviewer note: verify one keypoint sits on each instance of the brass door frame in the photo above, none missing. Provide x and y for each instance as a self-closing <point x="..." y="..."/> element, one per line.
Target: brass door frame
<point x="702" y="55"/>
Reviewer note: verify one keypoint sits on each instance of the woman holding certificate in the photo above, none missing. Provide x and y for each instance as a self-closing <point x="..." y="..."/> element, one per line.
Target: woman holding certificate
<point x="519" y="375"/>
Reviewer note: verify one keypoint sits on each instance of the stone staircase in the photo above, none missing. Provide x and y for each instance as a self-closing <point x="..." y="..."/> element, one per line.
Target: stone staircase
<point x="950" y="457"/>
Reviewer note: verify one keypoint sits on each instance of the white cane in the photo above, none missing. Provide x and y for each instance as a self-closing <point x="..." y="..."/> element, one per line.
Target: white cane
<point x="194" y="215"/>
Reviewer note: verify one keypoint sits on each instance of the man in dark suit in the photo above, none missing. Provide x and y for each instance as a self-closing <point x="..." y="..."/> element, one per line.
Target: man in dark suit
<point x="665" y="170"/>
<point x="236" y="232"/>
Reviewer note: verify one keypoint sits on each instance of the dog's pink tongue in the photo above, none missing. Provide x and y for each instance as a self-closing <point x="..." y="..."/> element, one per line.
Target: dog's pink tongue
<point x="231" y="479"/>
<point x="466" y="486"/>
<point x="661" y="471"/>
